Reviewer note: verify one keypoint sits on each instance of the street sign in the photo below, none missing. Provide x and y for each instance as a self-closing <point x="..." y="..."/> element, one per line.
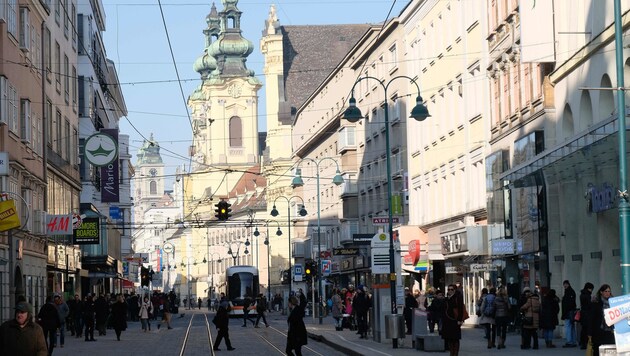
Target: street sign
<point x="168" y="247"/>
<point x="384" y="220"/>
<point x="297" y="272"/>
<point x="326" y="267"/>
<point x="114" y="212"/>
<point x="77" y="220"/>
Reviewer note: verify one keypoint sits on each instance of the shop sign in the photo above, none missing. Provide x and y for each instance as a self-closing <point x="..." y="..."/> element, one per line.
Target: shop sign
<point x="9" y="218"/>
<point x="477" y="267"/>
<point x="345" y="251"/>
<point x="601" y="198"/>
<point x="617" y="315"/>
<point x="59" y="224"/>
<point x="414" y="251"/>
<point x="359" y="262"/>
<point x="455" y="270"/>
<point x="88" y="233"/>
<point x="347" y="263"/>
<point x="502" y="247"/>
<point x="362" y="239"/>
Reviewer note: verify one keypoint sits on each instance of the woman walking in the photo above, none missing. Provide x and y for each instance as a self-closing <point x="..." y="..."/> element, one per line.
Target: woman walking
<point x="487" y="317"/>
<point x="119" y="315"/>
<point x="296" y="336"/>
<point x="599" y="332"/>
<point x="146" y="308"/>
<point x="502" y="316"/>
<point x="549" y="316"/>
<point x="531" y="317"/>
<point x="337" y="309"/>
<point x="453" y="319"/>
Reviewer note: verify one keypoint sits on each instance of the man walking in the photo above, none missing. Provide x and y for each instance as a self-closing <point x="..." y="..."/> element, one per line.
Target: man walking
<point x="261" y="308"/>
<point x="221" y="321"/>
<point x="247" y="302"/>
<point x="22" y="336"/>
<point x="568" y="312"/>
<point x="49" y="320"/>
<point x="63" y="310"/>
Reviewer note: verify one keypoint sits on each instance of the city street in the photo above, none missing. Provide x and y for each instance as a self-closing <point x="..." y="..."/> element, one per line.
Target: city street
<point x="272" y="340"/>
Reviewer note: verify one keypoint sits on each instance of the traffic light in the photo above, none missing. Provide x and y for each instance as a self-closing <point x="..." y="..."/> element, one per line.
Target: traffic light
<point x="284" y="279"/>
<point x="222" y="211"/>
<point x="144" y="277"/>
<point x="309" y="270"/>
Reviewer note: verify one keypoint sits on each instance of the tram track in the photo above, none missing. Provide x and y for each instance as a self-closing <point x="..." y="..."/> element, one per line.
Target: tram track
<point x="190" y="330"/>
<point x="282" y="346"/>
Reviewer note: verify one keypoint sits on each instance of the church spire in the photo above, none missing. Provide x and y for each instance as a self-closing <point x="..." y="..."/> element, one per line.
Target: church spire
<point x="206" y="64"/>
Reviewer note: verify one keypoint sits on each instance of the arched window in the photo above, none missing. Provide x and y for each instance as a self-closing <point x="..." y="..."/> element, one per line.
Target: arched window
<point x="153" y="187"/>
<point x="236" y="132"/>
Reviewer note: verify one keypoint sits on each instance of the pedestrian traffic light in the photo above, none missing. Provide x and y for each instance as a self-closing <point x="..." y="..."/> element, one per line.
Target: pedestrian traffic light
<point x="222" y="211"/>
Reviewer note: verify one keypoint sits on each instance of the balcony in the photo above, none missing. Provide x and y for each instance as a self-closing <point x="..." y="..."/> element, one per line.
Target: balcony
<point x="349" y="188"/>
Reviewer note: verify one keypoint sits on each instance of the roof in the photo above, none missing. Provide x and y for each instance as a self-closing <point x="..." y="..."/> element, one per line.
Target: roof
<point x="249" y="191"/>
<point x="311" y="53"/>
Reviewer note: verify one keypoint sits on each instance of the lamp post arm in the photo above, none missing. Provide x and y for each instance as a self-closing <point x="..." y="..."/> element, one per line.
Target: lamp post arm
<point x="405" y="77"/>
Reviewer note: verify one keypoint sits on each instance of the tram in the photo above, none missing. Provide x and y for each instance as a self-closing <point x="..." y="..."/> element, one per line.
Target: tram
<point x="241" y="281"/>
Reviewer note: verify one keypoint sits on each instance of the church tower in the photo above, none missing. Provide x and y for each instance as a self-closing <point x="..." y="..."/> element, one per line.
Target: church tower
<point x="225" y="105"/>
<point x="149" y="181"/>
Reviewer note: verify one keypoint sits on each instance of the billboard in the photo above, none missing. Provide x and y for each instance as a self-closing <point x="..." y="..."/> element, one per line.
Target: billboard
<point x="88" y="233"/>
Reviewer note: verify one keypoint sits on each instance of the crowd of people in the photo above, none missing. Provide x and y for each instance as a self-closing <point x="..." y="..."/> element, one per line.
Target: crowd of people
<point x="543" y="311"/>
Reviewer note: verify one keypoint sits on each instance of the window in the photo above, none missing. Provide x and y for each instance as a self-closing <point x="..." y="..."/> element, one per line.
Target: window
<point x="58" y="12"/>
<point x="37" y="134"/>
<point x="236" y="132"/>
<point x="58" y="65"/>
<point x="47" y="54"/>
<point x="66" y="73"/>
<point x="48" y="117"/>
<point x="25" y="29"/>
<point x="75" y="92"/>
<point x="393" y="57"/>
<point x="12" y="9"/>
<point x="12" y="113"/>
<point x="26" y="128"/>
<point x="72" y="19"/>
<point x="66" y="140"/>
<point x="58" y="132"/>
<point x="66" y="18"/>
<point x="153" y="187"/>
<point x="75" y="143"/>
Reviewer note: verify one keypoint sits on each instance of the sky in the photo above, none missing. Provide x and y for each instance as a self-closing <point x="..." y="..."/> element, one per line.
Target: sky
<point x="136" y="41"/>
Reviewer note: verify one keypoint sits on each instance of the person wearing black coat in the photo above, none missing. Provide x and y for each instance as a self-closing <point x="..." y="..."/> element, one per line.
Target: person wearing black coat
<point x="436" y="310"/>
<point x="221" y="321"/>
<point x="119" y="316"/>
<point x="598" y="331"/>
<point x="89" y="311"/>
<point x="296" y="336"/>
<point x="453" y="319"/>
<point x="569" y="306"/>
<point x="101" y="308"/>
<point x="410" y="304"/>
<point x="48" y="319"/>
<point x="549" y="316"/>
<point x="585" y="311"/>
<point x="361" y="306"/>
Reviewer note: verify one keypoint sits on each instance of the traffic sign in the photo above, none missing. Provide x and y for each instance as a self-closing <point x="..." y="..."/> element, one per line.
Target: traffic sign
<point x="298" y="272"/>
<point x="385" y="220"/>
<point x="326" y="267"/>
<point x="168" y="247"/>
<point x="77" y="220"/>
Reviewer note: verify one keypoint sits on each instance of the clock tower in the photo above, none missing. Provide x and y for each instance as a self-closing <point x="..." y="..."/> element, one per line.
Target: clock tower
<point x="149" y="178"/>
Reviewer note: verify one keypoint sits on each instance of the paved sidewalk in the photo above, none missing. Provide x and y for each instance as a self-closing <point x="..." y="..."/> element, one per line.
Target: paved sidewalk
<point x="472" y="342"/>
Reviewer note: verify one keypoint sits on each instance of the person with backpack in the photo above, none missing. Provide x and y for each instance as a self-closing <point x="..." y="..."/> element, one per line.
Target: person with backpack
<point x="486" y="319"/>
<point x="502" y="315"/>
<point x="261" y="308"/>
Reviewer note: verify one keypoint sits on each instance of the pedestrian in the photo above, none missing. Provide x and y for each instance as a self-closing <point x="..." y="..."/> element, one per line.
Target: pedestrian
<point x="502" y="315"/>
<point x="585" y="312"/>
<point x="89" y="317"/>
<point x="410" y="304"/>
<point x="531" y="319"/>
<point x="484" y="292"/>
<point x="598" y="331"/>
<point x="119" y="316"/>
<point x="247" y="302"/>
<point x="296" y="335"/>
<point x="337" y="309"/>
<point x="488" y="311"/>
<point x="64" y="311"/>
<point x="48" y="318"/>
<point x="549" y="316"/>
<point x="435" y="310"/>
<point x="146" y="308"/>
<point x="569" y="307"/>
<point x="261" y="308"/>
<point x="76" y="310"/>
<point x="361" y="306"/>
<point x="166" y="313"/>
<point x="22" y="336"/>
<point x="101" y="307"/>
<point x="199" y="302"/>
<point x="453" y="319"/>
<point x="221" y="321"/>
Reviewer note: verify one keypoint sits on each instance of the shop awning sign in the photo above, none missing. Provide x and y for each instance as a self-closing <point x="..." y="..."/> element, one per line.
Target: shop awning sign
<point x="478" y="267"/>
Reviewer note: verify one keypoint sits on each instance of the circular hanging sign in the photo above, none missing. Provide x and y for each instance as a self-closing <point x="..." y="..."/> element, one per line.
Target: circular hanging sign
<point x="168" y="247"/>
<point x="100" y="149"/>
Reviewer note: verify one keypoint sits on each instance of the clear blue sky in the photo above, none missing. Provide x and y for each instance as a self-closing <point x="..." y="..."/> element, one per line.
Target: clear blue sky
<point x="135" y="39"/>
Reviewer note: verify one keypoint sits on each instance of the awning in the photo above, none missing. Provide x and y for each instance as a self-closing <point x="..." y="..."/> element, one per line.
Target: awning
<point x="596" y="145"/>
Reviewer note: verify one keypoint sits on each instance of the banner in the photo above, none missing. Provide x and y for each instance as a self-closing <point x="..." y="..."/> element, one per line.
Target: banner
<point x="618" y="314"/>
<point x="110" y="192"/>
<point x="9" y="218"/>
<point x="88" y="234"/>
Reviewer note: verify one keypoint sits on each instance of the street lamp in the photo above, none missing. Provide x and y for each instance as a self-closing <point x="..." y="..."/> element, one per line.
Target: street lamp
<point x="419" y="113"/>
<point x="188" y="278"/>
<point x="274" y="213"/>
<point x="212" y="260"/>
<point x="298" y="182"/>
<point x="257" y="233"/>
<point x="236" y="255"/>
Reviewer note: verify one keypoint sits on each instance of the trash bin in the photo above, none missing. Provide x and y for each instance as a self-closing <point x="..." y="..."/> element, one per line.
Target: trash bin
<point x="394" y="326"/>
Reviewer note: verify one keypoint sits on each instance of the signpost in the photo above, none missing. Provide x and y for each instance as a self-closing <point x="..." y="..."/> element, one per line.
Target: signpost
<point x="297" y="272"/>
<point x="326" y="267"/>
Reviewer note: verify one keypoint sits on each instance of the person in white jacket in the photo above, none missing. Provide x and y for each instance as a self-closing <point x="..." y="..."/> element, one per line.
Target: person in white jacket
<point x="146" y="309"/>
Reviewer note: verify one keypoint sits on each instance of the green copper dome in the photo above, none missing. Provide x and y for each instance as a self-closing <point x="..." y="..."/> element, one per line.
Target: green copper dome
<point x="206" y="64"/>
<point x="149" y="153"/>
